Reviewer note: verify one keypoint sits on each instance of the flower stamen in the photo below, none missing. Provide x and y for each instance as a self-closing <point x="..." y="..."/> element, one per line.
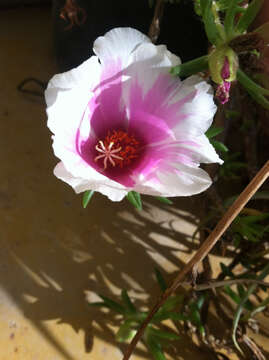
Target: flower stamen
<point x="107" y="153"/>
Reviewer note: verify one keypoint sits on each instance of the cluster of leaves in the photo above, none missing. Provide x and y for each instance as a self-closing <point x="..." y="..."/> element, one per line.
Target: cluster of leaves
<point x="241" y="296"/>
<point x="156" y="336"/>
<point x="247" y="237"/>
<point x="225" y="21"/>
<point x="133" y="197"/>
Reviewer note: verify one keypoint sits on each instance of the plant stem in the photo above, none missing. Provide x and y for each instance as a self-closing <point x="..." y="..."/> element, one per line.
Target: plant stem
<point x="154" y="30"/>
<point x="205" y="248"/>
<point x="191" y="67"/>
<point x="240" y="307"/>
<point x="249" y="84"/>
<point x="214" y="284"/>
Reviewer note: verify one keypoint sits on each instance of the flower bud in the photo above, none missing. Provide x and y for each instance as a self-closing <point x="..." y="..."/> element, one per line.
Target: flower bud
<point x="223" y="65"/>
<point x="223" y="60"/>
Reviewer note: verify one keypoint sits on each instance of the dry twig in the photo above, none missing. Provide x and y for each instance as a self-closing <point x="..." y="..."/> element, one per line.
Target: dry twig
<point x="214" y="284"/>
<point x="154" y="30"/>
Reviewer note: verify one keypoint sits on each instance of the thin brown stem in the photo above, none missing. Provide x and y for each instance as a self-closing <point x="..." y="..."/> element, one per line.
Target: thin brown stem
<point x="154" y="30"/>
<point x="214" y="284"/>
<point x="204" y="249"/>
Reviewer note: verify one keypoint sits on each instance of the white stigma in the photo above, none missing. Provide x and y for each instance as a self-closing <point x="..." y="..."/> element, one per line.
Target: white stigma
<point x="107" y="154"/>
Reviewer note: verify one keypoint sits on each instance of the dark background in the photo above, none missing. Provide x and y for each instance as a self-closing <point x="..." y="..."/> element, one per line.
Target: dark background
<point x="180" y="28"/>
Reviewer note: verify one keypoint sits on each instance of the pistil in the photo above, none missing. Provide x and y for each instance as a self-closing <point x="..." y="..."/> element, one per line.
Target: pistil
<point x="107" y="154"/>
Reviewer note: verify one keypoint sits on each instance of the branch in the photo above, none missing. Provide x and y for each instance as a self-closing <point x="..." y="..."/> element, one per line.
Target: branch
<point x="214" y="284"/>
<point x="154" y="30"/>
<point x="205" y="248"/>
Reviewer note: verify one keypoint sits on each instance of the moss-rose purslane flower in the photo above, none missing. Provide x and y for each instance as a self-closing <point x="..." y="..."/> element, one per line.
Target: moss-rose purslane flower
<point x="122" y="122"/>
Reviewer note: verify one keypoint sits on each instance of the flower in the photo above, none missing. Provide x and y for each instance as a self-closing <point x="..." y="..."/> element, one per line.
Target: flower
<point x="122" y="122"/>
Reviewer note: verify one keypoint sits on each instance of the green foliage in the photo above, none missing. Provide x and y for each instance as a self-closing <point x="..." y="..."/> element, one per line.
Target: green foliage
<point x="155" y="337"/>
<point x="160" y="279"/>
<point x="243" y="302"/>
<point x="127" y="301"/>
<point x="135" y="199"/>
<point x="211" y="22"/>
<point x="213" y="131"/>
<point x="231" y="166"/>
<point x="222" y="5"/>
<point x="164" y="200"/>
<point x="195" y="307"/>
<point x="218" y="145"/>
<point x="87" y="196"/>
<point x="249" y="227"/>
<point x="232" y="9"/>
<point x="248" y="16"/>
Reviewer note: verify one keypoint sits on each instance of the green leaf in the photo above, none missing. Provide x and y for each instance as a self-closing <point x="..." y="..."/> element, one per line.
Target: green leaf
<point x="240" y="289"/>
<point x="236" y="298"/>
<point x="113" y="305"/>
<point x="135" y="199"/>
<point x="196" y="317"/>
<point x="127" y="301"/>
<point x="160" y="279"/>
<point x="249" y="15"/>
<point x="125" y="332"/>
<point x="164" y="200"/>
<point x="197" y="7"/>
<point x="213" y="131"/>
<point x="242" y="304"/>
<point x="210" y="23"/>
<point x="200" y="301"/>
<point x="232" y="294"/>
<point x="172" y="302"/>
<point x="229" y="21"/>
<point x="225" y="4"/>
<point x="155" y="349"/>
<point x="219" y="146"/>
<point x="250" y="219"/>
<point x="164" y="315"/>
<point x="87" y="198"/>
<point x="261" y="307"/>
<point x="163" y="334"/>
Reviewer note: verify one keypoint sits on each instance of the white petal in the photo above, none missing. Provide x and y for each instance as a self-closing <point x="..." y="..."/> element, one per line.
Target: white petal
<point x="199" y="112"/>
<point x="87" y="74"/>
<point x="205" y="152"/>
<point x="82" y="184"/>
<point x="200" y="148"/>
<point x="66" y="112"/>
<point x="186" y="182"/>
<point x="118" y="44"/>
<point x="148" y="62"/>
<point x="67" y="95"/>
